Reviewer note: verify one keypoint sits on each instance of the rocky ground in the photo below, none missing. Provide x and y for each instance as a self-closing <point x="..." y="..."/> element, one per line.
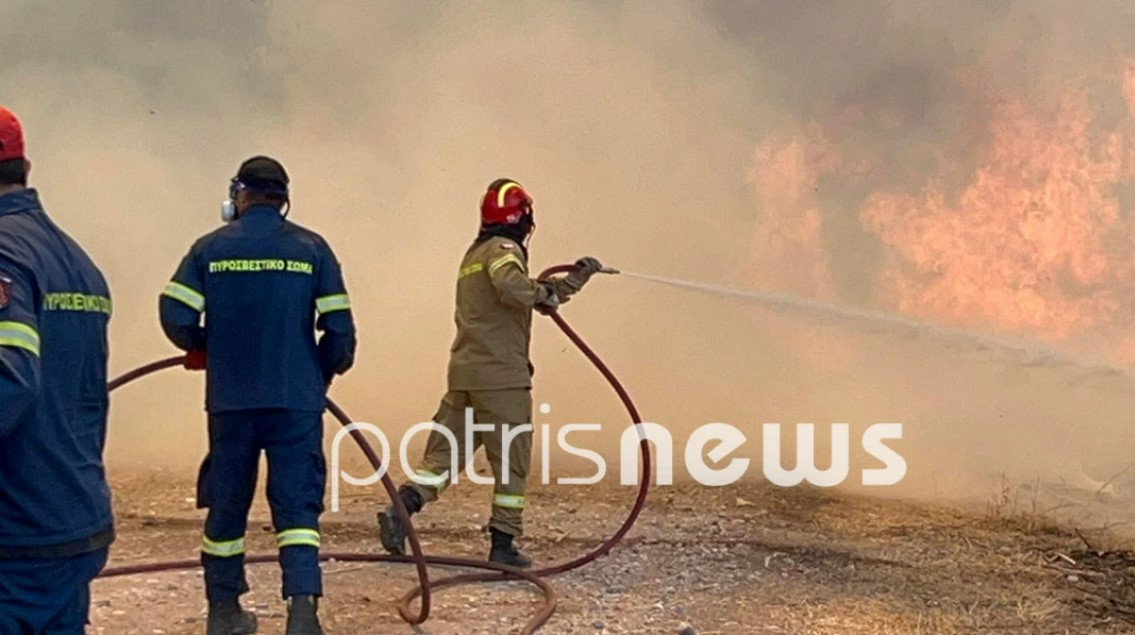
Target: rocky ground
<point x="740" y="560"/>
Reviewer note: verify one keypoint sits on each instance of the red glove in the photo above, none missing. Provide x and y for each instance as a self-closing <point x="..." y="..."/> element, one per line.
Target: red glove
<point x="195" y="360"/>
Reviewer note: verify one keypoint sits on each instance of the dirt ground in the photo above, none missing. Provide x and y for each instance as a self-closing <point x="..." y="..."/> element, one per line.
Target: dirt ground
<point x="736" y="560"/>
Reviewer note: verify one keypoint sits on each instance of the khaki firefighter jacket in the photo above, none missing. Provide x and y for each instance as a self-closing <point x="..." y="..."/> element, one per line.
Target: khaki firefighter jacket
<point x="495" y="299"/>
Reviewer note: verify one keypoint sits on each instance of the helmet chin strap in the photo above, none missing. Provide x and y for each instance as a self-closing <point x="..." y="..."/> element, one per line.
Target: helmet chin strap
<point x="531" y="220"/>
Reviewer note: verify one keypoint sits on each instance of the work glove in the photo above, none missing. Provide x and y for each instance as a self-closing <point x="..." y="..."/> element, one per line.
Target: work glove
<point x="584" y="269"/>
<point x="195" y="360"/>
<point x="551" y="303"/>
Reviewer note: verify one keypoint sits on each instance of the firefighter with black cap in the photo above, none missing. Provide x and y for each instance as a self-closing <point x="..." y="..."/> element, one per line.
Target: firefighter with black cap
<point x="264" y="285"/>
<point x="56" y="521"/>
<point x="490" y="373"/>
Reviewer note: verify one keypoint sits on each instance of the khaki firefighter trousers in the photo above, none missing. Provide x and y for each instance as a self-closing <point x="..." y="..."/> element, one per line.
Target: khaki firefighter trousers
<point x="509" y="413"/>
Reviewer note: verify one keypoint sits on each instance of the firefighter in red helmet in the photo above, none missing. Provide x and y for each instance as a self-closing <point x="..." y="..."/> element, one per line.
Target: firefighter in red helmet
<point x="490" y="374"/>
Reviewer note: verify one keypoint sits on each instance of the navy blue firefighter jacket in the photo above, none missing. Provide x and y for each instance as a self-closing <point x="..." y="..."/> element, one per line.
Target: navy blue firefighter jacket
<point x="264" y="286"/>
<point x="55" y="309"/>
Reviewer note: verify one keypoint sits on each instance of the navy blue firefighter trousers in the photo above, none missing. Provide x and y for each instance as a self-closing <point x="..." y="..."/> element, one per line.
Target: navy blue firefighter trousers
<point x="48" y="596"/>
<point x="297" y="472"/>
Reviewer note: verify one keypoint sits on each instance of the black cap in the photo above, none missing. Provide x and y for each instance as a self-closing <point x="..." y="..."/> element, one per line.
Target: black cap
<point x="262" y="172"/>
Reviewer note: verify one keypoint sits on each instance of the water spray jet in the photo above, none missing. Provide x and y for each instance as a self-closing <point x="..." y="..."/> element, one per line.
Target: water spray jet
<point x="1025" y="352"/>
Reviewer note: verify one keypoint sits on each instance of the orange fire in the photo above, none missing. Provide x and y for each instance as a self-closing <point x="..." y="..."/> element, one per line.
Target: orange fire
<point x="1033" y="240"/>
<point x="1129" y="89"/>
<point x="789" y="243"/>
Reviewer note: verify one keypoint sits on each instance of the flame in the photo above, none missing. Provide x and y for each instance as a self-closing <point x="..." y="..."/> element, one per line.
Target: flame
<point x="1129" y="89"/>
<point x="789" y="238"/>
<point x="1033" y="240"/>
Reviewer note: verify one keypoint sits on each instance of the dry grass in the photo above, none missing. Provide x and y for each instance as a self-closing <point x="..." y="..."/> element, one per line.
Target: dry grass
<point x="738" y="560"/>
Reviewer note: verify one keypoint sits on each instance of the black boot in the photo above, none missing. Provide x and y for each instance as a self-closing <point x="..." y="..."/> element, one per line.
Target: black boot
<point x="303" y="618"/>
<point x="503" y="551"/>
<point x="390" y="529"/>
<point x="227" y="618"/>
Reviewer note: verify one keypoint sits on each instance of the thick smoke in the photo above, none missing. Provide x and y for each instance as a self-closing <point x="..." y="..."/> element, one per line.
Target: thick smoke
<point x="633" y="125"/>
<point x="392" y="119"/>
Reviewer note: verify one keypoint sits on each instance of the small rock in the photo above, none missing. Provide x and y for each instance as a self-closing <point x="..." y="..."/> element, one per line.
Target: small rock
<point x="1073" y="578"/>
<point x="598" y="625"/>
<point x="686" y="629"/>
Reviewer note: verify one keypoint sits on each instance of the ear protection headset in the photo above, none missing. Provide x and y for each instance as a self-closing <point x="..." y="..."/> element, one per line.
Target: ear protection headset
<point x="228" y="206"/>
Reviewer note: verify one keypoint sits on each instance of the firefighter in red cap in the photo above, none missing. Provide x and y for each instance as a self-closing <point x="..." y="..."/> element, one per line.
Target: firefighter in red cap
<point x="56" y="522"/>
<point x="490" y="374"/>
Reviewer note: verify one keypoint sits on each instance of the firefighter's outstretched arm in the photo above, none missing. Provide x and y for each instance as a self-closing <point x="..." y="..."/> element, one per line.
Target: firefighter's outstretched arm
<point x="508" y="274"/>
<point x="339" y="341"/>
<point x="19" y="348"/>
<point x="181" y="305"/>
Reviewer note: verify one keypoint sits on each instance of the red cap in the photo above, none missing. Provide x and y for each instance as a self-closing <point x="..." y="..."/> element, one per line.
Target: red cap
<point x="11" y="136"/>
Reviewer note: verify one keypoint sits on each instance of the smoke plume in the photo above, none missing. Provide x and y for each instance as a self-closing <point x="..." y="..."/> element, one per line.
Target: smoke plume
<point x="884" y="154"/>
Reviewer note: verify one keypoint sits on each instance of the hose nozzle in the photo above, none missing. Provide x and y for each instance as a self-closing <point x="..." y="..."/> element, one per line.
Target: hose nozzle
<point x="609" y="270"/>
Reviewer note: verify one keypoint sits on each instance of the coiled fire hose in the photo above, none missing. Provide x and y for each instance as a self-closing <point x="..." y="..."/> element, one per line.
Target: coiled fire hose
<point x="492" y="572"/>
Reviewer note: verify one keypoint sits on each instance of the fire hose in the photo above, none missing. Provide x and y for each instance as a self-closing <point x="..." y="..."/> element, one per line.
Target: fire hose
<point x="492" y="572"/>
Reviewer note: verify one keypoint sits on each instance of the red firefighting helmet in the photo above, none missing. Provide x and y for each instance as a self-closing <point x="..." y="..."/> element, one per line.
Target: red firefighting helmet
<point x="505" y="203"/>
